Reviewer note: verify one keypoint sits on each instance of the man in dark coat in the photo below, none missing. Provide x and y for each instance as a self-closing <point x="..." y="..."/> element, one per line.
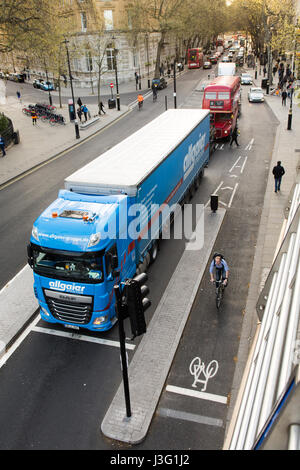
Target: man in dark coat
<point x="278" y="172"/>
<point x="234" y="136"/>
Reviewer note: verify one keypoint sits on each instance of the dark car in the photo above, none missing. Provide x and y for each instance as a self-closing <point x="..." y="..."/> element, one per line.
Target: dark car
<point x="159" y="82"/>
<point x="213" y="59"/>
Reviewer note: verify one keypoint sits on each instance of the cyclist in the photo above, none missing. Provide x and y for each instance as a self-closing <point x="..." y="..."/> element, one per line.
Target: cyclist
<point x="154" y="91"/>
<point x="140" y="99"/>
<point x="219" y="265"/>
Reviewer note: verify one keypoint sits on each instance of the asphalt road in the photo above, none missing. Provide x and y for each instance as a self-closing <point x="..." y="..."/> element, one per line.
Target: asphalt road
<point x="55" y="390"/>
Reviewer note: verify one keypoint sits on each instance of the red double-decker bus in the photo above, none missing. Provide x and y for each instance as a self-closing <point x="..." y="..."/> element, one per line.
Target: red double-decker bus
<point x="222" y="98"/>
<point x="195" y="58"/>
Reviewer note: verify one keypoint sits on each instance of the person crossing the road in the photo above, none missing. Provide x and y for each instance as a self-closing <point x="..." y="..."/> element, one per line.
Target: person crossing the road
<point x="234" y="136"/>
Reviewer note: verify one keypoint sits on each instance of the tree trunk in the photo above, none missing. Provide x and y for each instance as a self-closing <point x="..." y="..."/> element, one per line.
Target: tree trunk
<point x="159" y="48"/>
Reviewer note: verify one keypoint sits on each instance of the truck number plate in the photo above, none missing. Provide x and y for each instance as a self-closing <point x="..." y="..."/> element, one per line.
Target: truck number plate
<point x="73" y="327"/>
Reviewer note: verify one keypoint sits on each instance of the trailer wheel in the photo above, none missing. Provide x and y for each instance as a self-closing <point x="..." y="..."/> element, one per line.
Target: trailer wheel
<point x="154" y="252"/>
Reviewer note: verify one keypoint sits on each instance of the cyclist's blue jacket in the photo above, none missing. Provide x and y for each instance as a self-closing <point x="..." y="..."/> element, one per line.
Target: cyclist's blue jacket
<point x="224" y="266"/>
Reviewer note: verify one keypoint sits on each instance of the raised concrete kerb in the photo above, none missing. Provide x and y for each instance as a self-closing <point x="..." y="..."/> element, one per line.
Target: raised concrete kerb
<point x="17" y="305"/>
<point x="87" y="124"/>
<point x="151" y="362"/>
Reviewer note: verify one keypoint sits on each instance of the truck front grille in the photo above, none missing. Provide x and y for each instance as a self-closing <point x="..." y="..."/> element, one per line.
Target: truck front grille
<point x="69" y="308"/>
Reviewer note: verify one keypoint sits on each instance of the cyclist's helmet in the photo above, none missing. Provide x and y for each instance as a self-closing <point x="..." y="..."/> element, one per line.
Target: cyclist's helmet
<point x="218" y="254"/>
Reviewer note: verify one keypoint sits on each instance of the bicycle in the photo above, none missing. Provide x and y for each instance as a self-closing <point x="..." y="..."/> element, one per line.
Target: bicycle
<point x="57" y="119"/>
<point x="220" y="290"/>
<point x="140" y="104"/>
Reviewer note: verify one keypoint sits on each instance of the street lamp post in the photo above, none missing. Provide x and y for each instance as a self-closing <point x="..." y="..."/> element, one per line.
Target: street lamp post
<point x="72" y="91"/>
<point x="116" y="73"/>
<point x="174" y="94"/>
<point x="50" y="97"/>
<point x="147" y="43"/>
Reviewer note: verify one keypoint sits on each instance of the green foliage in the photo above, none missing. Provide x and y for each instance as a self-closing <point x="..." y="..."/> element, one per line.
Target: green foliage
<point x="4" y="122"/>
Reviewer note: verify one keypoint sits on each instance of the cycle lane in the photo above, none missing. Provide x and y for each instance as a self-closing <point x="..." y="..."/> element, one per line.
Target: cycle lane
<point x="196" y="398"/>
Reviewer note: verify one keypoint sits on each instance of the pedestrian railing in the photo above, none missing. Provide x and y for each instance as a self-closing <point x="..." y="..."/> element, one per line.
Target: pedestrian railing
<point x="267" y="413"/>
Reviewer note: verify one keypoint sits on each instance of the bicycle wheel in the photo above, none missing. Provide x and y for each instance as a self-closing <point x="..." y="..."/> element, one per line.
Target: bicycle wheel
<point x="219" y="294"/>
<point x="52" y="121"/>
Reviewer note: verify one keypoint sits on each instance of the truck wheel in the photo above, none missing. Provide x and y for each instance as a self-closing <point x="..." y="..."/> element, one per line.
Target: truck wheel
<point x="154" y="252"/>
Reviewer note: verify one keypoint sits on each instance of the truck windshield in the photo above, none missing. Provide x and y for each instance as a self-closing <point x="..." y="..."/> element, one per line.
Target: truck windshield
<point x="77" y="267"/>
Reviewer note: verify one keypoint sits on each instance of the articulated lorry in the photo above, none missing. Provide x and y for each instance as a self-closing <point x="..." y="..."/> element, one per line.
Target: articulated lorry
<point x="107" y="220"/>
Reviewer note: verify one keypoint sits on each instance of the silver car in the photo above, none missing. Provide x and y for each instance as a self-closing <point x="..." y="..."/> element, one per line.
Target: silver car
<point x="246" y="79"/>
<point x="256" y="95"/>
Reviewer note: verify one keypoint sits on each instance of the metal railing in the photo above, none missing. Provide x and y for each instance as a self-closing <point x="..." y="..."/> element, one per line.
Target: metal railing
<point x="275" y="353"/>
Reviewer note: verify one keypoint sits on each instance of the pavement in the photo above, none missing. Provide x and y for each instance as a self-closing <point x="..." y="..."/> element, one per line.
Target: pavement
<point x="43" y="143"/>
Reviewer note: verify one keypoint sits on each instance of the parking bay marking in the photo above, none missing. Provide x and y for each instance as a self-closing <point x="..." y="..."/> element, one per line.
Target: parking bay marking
<point x="89" y="339"/>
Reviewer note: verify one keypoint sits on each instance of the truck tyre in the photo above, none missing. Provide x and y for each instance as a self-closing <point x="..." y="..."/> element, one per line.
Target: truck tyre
<point x="154" y="252"/>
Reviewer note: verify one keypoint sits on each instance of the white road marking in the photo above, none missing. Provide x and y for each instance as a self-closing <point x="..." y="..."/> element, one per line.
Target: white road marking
<point x="18" y="341"/>
<point x="232" y="195"/>
<point x="167" y="413"/>
<point x="243" y="165"/>
<point x="196" y="394"/>
<point x="249" y="146"/>
<point x="77" y="336"/>
<point x="234" y="165"/>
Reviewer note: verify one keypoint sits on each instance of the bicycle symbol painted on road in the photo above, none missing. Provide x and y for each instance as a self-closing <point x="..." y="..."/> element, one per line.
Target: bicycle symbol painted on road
<point x="197" y="367"/>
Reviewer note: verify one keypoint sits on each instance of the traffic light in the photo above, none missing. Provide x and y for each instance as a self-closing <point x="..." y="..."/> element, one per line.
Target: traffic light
<point x="136" y="303"/>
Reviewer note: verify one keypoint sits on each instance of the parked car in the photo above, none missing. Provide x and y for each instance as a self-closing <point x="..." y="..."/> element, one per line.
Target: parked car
<point x="46" y="86"/>
<point x="16" y="77"/>
<point x="37" y="83"/>
<point x="159" y="82"/>
<point x="207" y="65"/>
<point x="256" y="95"/>
<point x="246" y="79"/>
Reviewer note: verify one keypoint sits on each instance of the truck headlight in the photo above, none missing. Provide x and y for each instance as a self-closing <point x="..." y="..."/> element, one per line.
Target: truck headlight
<point x="100" y="320"/>
<point x="45" y="312"/>
<point x="94" y="239"/>
<point x="34" y="233"/>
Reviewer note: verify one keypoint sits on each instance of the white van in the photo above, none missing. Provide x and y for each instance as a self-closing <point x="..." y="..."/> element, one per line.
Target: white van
<point x="226" y="68"/>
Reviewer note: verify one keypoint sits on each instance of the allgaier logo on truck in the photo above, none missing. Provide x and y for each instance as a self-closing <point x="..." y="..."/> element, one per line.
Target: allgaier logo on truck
<point x="194" y="153"/>
<point x="61" y="286"/>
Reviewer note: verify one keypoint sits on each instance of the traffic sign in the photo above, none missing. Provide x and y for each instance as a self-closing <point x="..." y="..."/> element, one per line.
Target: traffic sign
<point x="111" y="85"/>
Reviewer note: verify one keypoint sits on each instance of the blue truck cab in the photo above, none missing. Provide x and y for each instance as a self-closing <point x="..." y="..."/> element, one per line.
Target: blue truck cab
<point x="106" y="222"/>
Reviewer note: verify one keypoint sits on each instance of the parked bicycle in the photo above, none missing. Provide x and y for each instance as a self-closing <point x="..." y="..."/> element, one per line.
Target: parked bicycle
<point x="57" y="119"/>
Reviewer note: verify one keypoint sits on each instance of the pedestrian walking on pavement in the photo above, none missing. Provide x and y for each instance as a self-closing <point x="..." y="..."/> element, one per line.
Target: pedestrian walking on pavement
<point x="85" y="112"/>
<point x="2" y="146"/>
<point x="19" y="96"/>
<point x="278" y="172"/>
<point x="102" y="108"/>
<point x="33" y="117"/>
<point x="234" y="135"/>
<point x="79" y="102"/>
<point x="283" y="96"/>
<point x="79" y="113"/>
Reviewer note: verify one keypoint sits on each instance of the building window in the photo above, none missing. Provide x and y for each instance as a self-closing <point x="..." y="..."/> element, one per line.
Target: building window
<point x="83" y="21"/>
<point x="110" y="57"/>
<point x="108" y="20"/>
<point x="89" y="61"/>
